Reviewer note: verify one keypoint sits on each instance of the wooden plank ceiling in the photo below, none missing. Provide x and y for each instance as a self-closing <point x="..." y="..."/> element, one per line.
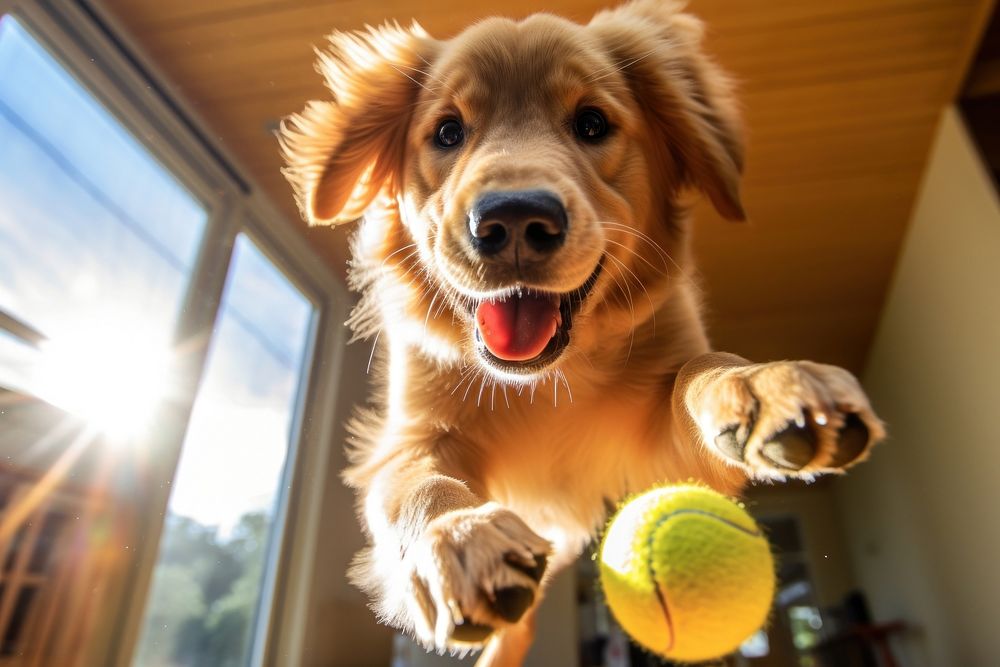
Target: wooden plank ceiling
<point x="841" y="100"/>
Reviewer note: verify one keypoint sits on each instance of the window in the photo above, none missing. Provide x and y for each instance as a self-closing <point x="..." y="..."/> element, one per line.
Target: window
<point x="208" y="580"/>
<point x="156" y="336"/>
<point x="97" y="240"/>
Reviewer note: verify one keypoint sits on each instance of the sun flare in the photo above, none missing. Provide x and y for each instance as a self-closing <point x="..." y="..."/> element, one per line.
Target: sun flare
<point x="113" y="377"/>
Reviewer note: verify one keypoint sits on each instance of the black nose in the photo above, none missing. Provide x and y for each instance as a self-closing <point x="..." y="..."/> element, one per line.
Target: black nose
<point x="518" y="224"/>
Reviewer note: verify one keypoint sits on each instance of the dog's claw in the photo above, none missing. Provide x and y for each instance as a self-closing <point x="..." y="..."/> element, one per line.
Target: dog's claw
<point x="784" y="419"/>
<point x="793" y="448"/>
<point x="511" y="603"/>
<point x="535" y="570"/>
<point x="476" y="570"/>
<point x="729" y="444"/>
<point x="852" y="441"/>
<point x="471" y="633"/>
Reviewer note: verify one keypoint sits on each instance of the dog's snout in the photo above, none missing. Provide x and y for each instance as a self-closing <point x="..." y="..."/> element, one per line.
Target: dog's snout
<point x="520" y="224"/>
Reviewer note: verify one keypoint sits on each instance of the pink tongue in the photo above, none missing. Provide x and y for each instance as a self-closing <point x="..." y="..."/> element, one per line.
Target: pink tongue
<point x="519" y="328"/>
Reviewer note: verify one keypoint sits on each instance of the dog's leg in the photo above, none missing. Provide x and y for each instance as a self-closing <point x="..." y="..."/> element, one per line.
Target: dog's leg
<point x="509" y="647"/>
<point x="787" y="418"/>
<point x="448" y="565"/>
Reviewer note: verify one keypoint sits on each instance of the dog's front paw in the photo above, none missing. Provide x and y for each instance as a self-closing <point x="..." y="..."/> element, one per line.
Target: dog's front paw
<point x="472" y="571"/>
<point x="788" y="418"/>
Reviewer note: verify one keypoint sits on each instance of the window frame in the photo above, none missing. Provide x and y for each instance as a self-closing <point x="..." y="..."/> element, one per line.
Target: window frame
<point x="87" y="41"/>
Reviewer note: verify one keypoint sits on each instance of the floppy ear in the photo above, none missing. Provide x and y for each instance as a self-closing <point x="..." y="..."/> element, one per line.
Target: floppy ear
<point x="341" y="154"/>
<point x="686" y="97"/>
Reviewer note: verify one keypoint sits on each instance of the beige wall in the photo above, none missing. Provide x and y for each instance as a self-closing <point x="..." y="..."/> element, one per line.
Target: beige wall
<point x="922" y="516"/>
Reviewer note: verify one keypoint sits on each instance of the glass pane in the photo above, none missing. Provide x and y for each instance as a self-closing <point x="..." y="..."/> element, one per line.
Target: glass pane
<point x="96" y="237"/>
<point x="19" y="364"/>
<point x="227" y="492"/>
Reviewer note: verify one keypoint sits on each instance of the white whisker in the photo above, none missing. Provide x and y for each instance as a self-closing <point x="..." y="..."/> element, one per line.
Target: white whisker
<point x="410" y="78"/>
<point x="638" y="256"/>
<point x="427" y="318"/>
<point x="566" y="382"/>
<point x="397" y="251"/>
<point x="371" y="355"/>
<point x="472" y="379"/>
<point x="630" y="231"/>
<point x="468" y="372"/>
<point x="652" y="306"/>
<point x="628" y="293"/>
<point x="428" y="74"/>
<point x="617" y="67"/>
<point x="482" y="385"/>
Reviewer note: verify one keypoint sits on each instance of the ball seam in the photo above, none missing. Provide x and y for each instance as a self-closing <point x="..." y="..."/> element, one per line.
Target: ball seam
<point x="753" y="532"/>
<point x="660" y="595"/>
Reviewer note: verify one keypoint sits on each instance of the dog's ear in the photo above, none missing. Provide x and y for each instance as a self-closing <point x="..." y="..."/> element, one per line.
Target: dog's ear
<point x="340" y="154"/>
<point x="685" y="96"/>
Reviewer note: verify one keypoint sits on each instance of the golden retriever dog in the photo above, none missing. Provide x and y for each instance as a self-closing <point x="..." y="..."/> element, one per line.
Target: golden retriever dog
<point x="523" y="264"/>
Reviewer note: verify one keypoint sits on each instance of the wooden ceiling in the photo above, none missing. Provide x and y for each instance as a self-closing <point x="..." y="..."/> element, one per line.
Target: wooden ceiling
<point x="841" y="100"/>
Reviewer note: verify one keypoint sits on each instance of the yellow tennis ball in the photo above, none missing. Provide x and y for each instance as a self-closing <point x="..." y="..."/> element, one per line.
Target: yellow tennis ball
<point x="687" y="572"/>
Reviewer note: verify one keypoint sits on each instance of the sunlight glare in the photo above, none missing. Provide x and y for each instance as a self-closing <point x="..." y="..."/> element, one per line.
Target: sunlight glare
<point x="113" y="376"/>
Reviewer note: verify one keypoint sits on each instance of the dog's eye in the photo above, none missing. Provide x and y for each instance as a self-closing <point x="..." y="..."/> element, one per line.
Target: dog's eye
<point x="449" y="133"/>
<point x="590" y="125"/>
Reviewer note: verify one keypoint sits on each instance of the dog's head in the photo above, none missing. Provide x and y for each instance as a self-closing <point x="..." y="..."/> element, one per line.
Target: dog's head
<point x="536" y="167"/>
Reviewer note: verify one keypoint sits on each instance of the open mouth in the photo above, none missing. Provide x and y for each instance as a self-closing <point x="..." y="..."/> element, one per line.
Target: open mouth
<point x="525" y="330"/>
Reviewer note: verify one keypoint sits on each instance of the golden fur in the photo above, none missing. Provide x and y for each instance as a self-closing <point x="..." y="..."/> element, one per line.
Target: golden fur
<point x="469" y="472"/>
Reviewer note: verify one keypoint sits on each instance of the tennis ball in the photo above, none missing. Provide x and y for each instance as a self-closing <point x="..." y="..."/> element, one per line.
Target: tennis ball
<point x="687" y="572"/>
